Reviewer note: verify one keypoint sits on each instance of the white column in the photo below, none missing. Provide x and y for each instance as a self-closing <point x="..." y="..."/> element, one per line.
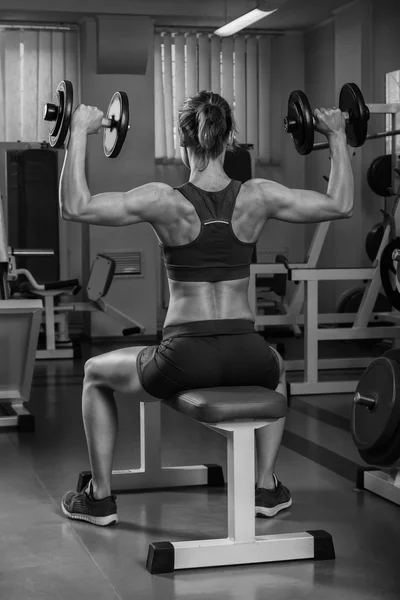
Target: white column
<point x="264" y="97"/>
<point x="216" y="64"/>
<point x="192" y="70"/>
<point x="12" y="86"/>
<point x="204" y="62"/>
<point x="180" y="80"/>
<point x="227" y="70"/>
<point x="252" y="93"/>
<point x="240" y="87"/>
<point x="168" y="98"/>
<point x="159" y="114"/>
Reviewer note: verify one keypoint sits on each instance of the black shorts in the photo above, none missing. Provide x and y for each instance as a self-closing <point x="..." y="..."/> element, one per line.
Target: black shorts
<point x="205" y="354"/>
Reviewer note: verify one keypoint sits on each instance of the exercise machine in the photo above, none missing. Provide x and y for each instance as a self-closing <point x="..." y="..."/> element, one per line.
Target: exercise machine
<point x="19" y="332"/>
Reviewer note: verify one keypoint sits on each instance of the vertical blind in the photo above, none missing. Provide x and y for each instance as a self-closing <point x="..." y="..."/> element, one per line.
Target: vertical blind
<point x="392" y="97"/>
<point x="238" y="68"/>
<point x="32" y="63"/>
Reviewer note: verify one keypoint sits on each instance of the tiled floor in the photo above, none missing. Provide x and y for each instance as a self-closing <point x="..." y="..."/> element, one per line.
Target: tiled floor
<point x="43" y="556"/>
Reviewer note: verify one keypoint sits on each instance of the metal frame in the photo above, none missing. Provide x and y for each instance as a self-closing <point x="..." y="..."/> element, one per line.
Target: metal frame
<point x="12" y="399"/>
<point x="383" y="483"/>
<point x="151" y="474"/>
<point x="306" y="293"/>
<point x="241" y="546"/>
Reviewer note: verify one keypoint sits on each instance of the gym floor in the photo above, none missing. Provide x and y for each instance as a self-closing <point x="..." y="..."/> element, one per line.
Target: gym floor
<point x="44" y="556"/>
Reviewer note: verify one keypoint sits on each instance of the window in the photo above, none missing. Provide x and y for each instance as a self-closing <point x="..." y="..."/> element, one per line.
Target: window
<point x="393" y="97"/>
<point x="238" y="68"/>
<point x="33" y="60"/>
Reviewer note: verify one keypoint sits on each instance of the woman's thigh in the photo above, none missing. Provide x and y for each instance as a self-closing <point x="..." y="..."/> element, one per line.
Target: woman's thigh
<point x="117" y="370"/>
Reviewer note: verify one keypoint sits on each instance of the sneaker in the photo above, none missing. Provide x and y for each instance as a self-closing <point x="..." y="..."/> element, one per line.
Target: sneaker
<point x="84" y="507"/>
<point x="269" y="503"/>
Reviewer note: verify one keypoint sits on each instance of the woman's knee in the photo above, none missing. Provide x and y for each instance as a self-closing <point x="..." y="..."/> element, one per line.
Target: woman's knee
<point x="115" y="370"/>
<point x="92" y="370"/>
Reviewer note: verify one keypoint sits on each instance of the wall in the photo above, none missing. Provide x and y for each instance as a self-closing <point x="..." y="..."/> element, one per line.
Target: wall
<point x="287" y="74"/>
<point x="134" y="167"/>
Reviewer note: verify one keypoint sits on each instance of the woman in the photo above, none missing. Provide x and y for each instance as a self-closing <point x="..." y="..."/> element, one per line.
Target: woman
<point x="207" y="230"/>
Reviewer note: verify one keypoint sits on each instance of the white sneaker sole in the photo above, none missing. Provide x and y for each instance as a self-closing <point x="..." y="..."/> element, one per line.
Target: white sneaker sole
<point x="261" y="511"/>
<point x="101" y="521"/>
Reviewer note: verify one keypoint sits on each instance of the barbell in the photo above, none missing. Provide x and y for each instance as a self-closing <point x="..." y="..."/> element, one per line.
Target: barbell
<point x="115" y="124"/>
<point x="300" y="122"/>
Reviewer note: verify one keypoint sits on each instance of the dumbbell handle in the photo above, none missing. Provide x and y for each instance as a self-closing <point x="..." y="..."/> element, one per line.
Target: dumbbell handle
<point x="365" y="400"/>
<point x="105" y="122"/>
<point x="291" y="125"/>
<point x="50" y="113"/>
<point x="345" y="114"/>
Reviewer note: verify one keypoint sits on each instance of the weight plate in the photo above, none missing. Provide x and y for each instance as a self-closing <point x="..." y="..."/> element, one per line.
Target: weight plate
<point x="114" y="137"/>
<point x="388" y="269"/>
<point x="60" y="120"/>
<point x="299" y="110"/>
<point x="351" y="101"/>
<point x="386" y="457"/>
<point x="373" y="240"/>
<point x="350" y="301"/>
<point x="393" y="354"/>
<point x="373" y="429"/>
<point x="379" y="175"/>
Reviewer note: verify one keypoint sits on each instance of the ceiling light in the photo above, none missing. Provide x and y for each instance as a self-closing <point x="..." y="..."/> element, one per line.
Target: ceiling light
<point x="244" y="21"/>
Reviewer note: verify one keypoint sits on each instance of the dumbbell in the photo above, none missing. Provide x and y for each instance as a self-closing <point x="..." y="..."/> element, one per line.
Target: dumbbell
<point x="115" y="124"/>
<point x="300" y="122"/>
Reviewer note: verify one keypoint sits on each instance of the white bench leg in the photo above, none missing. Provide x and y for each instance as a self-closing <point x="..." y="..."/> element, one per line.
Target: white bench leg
<point x="151" y="473"/>
<point x="383" y="483"/>
<point x="241" y="546"/>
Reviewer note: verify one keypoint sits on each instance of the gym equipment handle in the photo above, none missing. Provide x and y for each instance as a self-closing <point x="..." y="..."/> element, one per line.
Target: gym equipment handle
<point x="363" y="400"/>
<point x="372" y="136"/>
<point x="59" y="285"/>
<point x="32" y="252"/>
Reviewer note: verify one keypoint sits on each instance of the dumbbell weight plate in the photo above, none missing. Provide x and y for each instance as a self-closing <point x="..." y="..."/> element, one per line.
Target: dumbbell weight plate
<point x="299" y="111"/>
<point x="352" y="102"/>
<point x="60" y="118"/>
<point x="114" y="137"/>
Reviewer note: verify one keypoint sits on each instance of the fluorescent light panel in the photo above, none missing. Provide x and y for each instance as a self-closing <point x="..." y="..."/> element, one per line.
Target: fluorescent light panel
<point x="244" y="21"/>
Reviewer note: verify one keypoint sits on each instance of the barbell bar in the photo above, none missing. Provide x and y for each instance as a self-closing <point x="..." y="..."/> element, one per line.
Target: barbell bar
<point x="365" y="400"/>
<point x="31" y="252"/>
<point x="372" y="136"/>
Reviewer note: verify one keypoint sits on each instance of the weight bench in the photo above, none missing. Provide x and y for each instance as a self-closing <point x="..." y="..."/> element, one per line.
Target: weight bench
<point x="236" y="412"/>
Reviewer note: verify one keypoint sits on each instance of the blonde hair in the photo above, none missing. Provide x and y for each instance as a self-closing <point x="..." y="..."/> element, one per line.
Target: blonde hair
<point x="206" y="124"/>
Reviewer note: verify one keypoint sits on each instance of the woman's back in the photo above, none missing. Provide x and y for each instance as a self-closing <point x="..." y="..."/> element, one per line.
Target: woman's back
<point x="214" y="252"/>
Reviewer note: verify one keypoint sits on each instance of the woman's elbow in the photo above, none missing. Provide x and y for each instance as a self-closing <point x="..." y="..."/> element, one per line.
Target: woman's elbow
<point x="67" y="216"/>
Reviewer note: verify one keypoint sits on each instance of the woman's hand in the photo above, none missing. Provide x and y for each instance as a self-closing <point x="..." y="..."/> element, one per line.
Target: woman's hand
<point x="86" y="119"/>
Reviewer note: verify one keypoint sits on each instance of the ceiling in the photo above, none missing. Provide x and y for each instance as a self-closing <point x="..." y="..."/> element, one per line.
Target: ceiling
<point x="295" y="15"/>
